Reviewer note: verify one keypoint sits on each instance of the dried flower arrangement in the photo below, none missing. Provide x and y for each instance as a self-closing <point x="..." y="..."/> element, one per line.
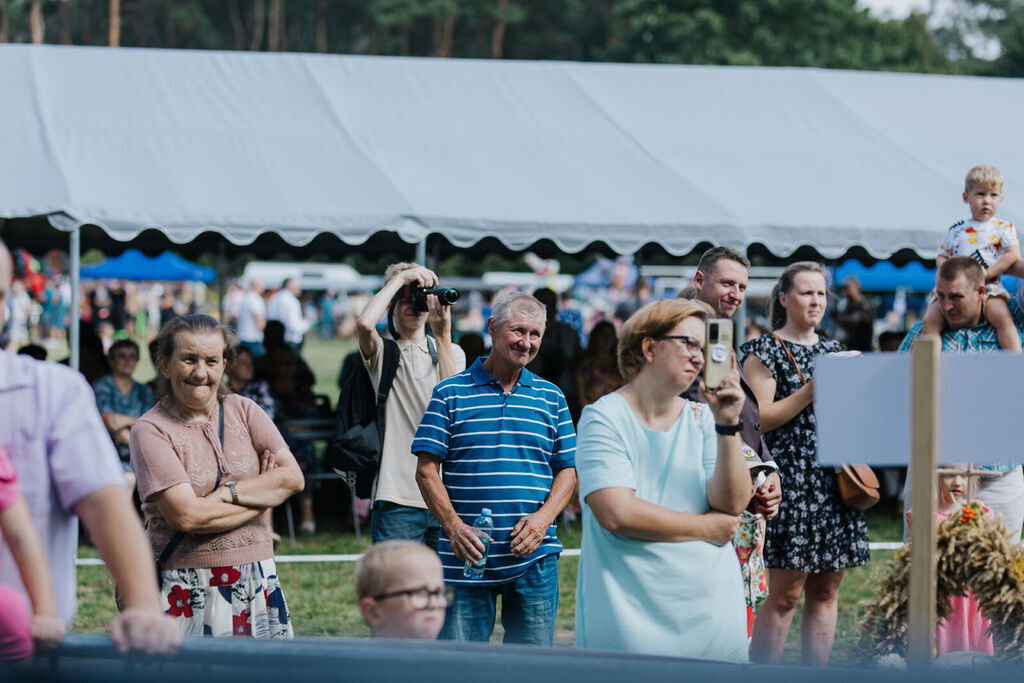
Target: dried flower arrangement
<point x="974" y="554"/>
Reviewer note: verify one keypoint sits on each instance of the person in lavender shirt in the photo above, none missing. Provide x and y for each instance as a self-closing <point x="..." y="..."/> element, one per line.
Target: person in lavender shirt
<point x="68" y="469"/>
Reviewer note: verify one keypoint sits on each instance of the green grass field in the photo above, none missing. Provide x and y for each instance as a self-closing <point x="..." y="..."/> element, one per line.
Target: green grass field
<point x="322" y="601"/>
<point x="321" y="596"/>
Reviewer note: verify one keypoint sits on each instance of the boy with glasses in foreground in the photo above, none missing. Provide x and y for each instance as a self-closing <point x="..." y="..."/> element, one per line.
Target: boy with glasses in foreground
<point x="401" y="591"/>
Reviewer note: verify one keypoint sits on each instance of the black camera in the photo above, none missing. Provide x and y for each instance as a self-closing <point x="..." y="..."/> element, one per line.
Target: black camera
<point x="445" y="295"/>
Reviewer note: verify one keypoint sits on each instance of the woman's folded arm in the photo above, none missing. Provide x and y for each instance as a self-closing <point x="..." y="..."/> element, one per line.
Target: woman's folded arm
<point x="619" y="511"/>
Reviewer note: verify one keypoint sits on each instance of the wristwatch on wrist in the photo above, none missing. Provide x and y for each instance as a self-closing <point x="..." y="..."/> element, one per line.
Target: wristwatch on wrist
<point x="234" y="493"/>
<point x="729" y="430"/>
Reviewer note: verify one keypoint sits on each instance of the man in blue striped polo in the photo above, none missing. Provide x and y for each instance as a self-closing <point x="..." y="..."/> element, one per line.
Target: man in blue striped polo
<point x="507" y="443"/>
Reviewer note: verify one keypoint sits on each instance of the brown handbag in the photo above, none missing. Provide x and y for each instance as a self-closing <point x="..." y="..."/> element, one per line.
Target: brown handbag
<point x="858" y="485"/>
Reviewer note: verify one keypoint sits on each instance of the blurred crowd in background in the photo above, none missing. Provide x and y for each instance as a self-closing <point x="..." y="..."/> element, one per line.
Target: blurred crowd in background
<point x="578" y="354"/>
<point x="40" y="309"/>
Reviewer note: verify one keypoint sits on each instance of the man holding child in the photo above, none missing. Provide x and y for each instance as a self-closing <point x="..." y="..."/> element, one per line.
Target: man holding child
<point x="961" y="294"/>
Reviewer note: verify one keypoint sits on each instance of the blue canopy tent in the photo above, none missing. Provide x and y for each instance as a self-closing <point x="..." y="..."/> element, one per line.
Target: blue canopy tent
<point x="134" y="265"/>
<point x="885" y="277"/>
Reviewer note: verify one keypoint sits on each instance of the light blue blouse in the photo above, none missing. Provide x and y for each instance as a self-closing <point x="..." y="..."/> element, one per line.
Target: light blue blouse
<point x="679" y="599"/>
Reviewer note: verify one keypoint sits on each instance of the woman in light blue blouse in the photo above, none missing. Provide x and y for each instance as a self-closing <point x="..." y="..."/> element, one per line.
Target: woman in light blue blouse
<point x="663" y="480"/>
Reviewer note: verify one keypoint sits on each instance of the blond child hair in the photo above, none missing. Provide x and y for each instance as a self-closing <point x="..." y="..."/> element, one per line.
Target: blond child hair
<point x="375" y="571"/>
<point x="985" y="175"/>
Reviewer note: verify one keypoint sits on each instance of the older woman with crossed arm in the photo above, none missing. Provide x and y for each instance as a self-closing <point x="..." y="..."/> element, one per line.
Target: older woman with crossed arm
<point x="204" y="486"/>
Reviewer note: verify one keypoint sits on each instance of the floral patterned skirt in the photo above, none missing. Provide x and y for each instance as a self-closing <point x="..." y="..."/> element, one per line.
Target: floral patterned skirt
<point x="244" y="600"/>
<point x="749" y="545"/>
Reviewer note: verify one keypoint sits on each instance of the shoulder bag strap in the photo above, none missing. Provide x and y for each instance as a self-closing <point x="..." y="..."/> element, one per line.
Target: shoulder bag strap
<point x="792" y="360"/>
<point x="220" y="431"/>
<point x="178" y="535"/>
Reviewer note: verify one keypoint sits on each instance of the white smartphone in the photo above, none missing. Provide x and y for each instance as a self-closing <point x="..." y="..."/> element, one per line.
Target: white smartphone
<point x="717" y="351"/>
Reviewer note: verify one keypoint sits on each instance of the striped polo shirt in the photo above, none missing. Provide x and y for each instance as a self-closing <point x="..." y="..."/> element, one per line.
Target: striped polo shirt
<point x="499" y="452"/>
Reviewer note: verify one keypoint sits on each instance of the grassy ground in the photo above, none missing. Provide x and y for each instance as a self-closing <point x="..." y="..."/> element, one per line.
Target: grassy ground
<point x="321" y="595"/>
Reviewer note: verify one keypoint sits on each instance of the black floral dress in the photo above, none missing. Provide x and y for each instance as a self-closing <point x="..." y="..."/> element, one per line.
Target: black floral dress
<point x="814" y="531"/>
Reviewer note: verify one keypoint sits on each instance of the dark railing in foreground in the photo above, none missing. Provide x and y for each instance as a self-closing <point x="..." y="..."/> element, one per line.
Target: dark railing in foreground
<point x="88" y="657"/>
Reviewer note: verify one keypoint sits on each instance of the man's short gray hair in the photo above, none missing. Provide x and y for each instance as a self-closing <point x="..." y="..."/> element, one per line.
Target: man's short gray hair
<point x="516" y="302"/>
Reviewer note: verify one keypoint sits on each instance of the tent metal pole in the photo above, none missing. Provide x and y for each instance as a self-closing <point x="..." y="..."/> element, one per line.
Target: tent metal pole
<point x="421" y="251"/>
<point x="221" y="269"/>
<point x="74" y="319"/>
<point x="739" y="335"/>
<point x="638" y="263"/>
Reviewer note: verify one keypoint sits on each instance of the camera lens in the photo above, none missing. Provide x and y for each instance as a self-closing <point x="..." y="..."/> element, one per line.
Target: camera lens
<point x="447" y="295"/>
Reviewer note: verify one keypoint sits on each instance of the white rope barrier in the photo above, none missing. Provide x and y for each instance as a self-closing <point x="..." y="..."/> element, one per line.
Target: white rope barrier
<point x="287" y="559"/>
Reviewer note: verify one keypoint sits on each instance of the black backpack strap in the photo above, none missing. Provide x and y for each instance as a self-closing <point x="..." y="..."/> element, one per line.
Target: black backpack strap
<point x="389" y="368"/>
<point x="432" y="347"/>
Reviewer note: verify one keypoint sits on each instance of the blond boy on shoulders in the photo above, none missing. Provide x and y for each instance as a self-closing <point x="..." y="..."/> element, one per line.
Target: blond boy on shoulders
<point x="993" y="243"/>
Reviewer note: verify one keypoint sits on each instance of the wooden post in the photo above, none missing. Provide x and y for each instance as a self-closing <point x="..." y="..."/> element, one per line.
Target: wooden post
<point x="924" y="456"/>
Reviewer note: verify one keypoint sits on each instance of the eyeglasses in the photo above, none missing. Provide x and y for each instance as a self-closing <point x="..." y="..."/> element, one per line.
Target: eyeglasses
<point x="125" y="356"/>
<point x="419" y="598"/>
<point x="692" y="345"/>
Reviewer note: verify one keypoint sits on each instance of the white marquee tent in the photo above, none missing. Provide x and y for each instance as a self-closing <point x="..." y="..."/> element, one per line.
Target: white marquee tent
<point x="244" y="143"/>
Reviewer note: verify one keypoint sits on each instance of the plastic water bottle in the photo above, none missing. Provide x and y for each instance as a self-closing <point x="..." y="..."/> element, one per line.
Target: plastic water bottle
<point x="484" y="527"/>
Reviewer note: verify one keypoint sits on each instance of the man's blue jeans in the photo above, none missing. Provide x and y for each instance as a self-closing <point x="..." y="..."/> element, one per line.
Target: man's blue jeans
<point x="528" y="607"/>
<point x="391" y="521"/>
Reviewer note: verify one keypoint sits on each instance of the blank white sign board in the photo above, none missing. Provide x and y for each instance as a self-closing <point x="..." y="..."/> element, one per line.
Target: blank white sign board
<point x="862" y="406"/>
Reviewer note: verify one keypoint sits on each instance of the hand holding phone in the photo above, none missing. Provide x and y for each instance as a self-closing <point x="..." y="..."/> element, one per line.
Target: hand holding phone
<point x="717" y="351"/>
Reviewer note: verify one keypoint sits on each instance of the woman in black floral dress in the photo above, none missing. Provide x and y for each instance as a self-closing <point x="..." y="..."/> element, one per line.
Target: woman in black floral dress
<point x="815" y="537"/>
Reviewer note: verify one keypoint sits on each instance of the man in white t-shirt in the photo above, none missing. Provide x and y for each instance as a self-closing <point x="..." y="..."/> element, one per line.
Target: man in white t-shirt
<point x="285" y="307"/>
<point x="252" y="318"/>
<point x="398" y="507"/>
